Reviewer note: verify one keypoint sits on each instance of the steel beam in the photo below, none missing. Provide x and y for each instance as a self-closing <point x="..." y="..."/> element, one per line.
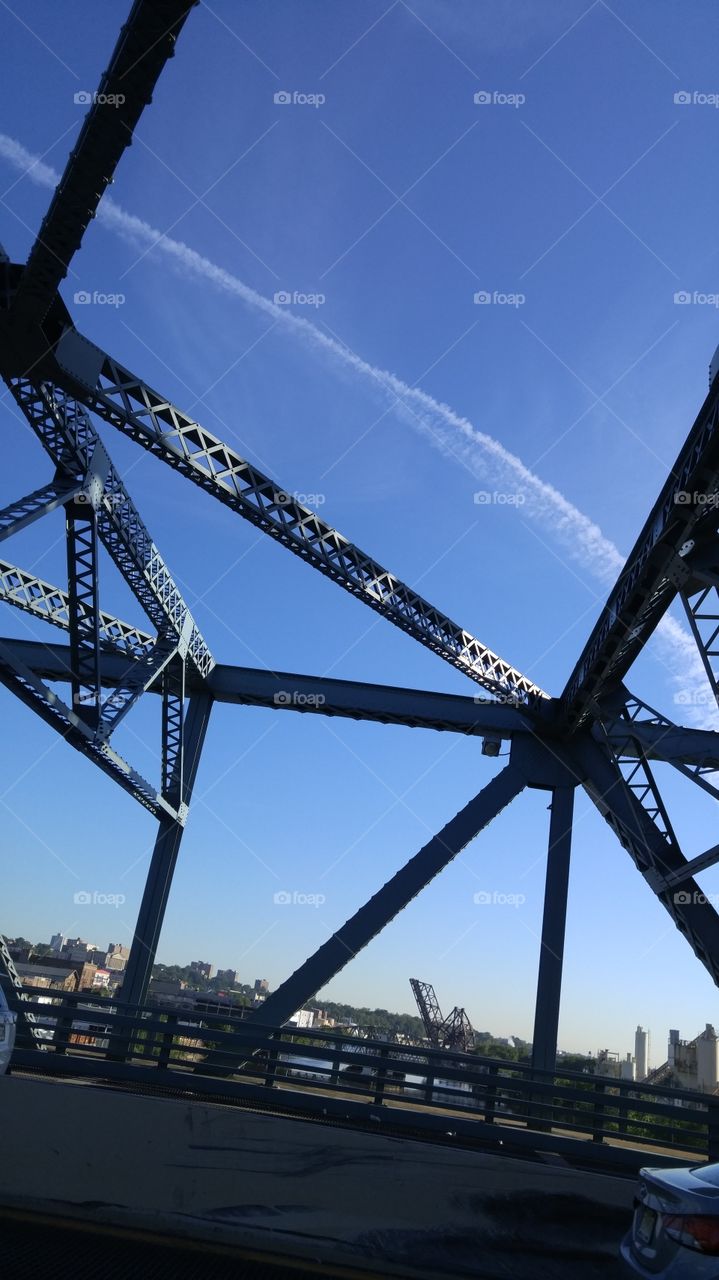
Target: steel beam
<point x="83" y="593"/>
<point x="655" y="853"/>
<point x="162" y="864"/>
<point x="20" y="515"/>
<point x="138" y="679"/>
<point x="637" y="732"/>
<point x="51" y="604"/>
<point x="693" y="867"/>
<point x="30" y="689"/>
<point x="366" y="923"/>
<point x="289" y="692"/>
<point x="18" y="998"/>
<point x="674" y="744"/>
<point x="653" y="572"/>
<point x="146" y="41"/>
<point x="128" y="403"/>
<point x="551" y="955"/>
<point x="702" y="610"/>
<point x="65" y="431"/>
<point x="173" y="727"/>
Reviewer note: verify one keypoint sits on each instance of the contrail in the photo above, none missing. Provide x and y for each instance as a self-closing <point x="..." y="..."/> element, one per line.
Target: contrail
<point x="453" y="435"/>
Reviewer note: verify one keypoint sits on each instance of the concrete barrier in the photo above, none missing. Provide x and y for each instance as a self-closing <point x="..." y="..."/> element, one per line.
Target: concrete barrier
<point x="228" y="1175"/>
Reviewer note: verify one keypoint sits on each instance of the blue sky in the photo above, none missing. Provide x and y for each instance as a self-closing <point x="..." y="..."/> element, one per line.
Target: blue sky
<point x="397" y="199"/>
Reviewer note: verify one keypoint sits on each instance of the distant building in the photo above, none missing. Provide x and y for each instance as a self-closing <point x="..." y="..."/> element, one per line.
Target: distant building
<point x="202" y="968"/>
<point x="691" y="1064"/>
<point x="117" y="949"/>
<point x="57" y="942"/>
<point x="36" y="975"/>
<point x="610" y="1064"/>
<point x="641" y="1053"/>
<point x="19" y="953"/>
<point x="84" y="971"/>
<point x="303" y="1018"/>
<point x="227" y="976"/>
<point x="262" y="985"/>
<point x="159" y="987"/>
<point x="81" y="951"/>
<point x="101" y="978"/>
<point x="76" y="944"/>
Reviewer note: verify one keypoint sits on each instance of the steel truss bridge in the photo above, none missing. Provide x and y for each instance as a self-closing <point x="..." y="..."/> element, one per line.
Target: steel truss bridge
<point x="595" y="734"/>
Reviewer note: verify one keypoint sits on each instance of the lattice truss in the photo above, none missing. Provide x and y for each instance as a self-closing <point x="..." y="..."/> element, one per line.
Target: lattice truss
<point x="595" y="734"/>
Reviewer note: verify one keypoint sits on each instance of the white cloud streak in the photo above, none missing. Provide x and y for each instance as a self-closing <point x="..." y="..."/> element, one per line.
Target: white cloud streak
<point x="453" y="435"/>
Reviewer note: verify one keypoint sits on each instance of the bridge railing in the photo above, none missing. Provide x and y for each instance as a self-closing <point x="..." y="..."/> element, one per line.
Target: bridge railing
<point x="328" y="1071"/>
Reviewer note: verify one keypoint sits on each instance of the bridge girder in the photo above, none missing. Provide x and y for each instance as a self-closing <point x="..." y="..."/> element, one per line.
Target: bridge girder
<point x="597" y="735"/>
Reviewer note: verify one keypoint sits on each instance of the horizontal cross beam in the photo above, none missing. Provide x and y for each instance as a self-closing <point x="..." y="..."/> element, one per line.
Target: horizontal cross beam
<point x="312" y="695"/>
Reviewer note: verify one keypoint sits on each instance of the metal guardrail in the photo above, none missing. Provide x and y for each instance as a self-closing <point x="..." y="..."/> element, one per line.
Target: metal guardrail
<point x="312" y="1069"/>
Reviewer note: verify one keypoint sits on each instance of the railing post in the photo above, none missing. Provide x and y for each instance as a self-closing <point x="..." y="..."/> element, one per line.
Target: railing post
<point x="625" y="1096"/>
<point x="63" y="1026"/>
<point x="120" y="1040"/>
<point x="490" y="1097"/>
<point x="167" y="1039"/>
<point x="537" y="1104"/>
<point x="598" y="1112"/>
<point x="429" y="1083"/>
<point x="712" y="1130"/>
<point x="271" y="1073"/>
<point x="381" y="1077"/>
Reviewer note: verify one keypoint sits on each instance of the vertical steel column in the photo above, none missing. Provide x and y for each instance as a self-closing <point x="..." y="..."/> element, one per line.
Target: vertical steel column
<point x="173" y="724"/>
<point x="81" y="531"/>
<point x="551" y="956"/>
<point x="162" y="865"/>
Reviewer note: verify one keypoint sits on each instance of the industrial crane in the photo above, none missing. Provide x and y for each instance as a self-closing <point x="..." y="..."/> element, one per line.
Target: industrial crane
<point x="453" y="1032"/>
